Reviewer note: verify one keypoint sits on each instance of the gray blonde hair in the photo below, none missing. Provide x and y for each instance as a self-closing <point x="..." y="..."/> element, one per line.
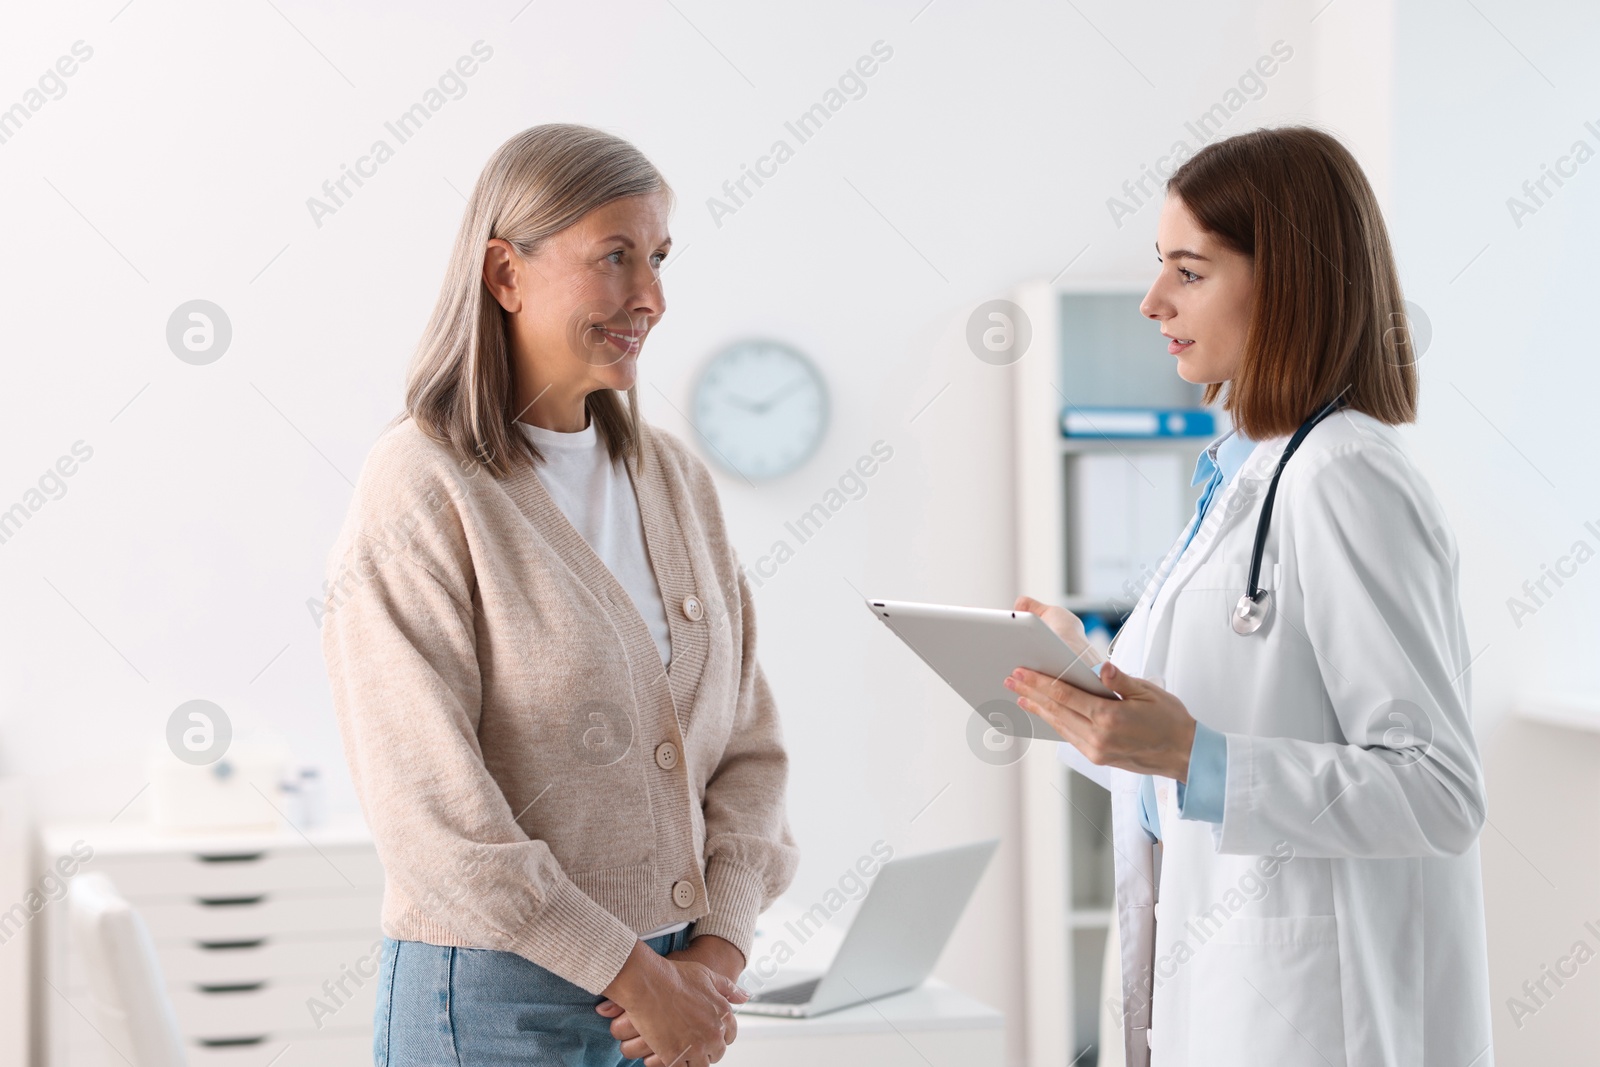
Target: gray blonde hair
<point x="461" y="385"/>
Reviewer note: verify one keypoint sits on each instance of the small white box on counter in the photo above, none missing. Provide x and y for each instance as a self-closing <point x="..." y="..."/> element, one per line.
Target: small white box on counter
<point x="241" y="789"/>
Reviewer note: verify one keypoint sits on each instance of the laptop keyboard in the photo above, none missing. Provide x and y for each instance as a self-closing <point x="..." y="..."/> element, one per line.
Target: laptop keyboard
<point x="794" y="994"/>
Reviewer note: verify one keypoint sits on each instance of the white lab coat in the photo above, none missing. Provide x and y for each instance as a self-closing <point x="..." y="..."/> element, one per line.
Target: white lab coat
<point x="1336" y="914"/>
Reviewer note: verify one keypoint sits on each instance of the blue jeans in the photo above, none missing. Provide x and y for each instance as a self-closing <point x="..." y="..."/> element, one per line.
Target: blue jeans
<point x="476" y="1007"/>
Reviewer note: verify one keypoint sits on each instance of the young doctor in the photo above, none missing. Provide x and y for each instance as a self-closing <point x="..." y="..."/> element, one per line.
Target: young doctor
<point x="1296" y="792"/>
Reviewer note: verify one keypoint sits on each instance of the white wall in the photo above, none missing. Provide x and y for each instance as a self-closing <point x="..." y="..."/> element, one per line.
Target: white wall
<point x="178" y="163"/>
<point x="1485" y="97"/>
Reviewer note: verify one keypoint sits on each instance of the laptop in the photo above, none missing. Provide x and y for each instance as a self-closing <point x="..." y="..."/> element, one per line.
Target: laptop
<point x="903" y="925"/>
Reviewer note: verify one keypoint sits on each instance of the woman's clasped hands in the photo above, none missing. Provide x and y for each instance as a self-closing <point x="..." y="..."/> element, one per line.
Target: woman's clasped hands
<point x="676" y="1010"/>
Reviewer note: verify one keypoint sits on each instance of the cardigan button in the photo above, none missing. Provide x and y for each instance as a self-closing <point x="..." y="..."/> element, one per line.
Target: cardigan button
<point x="693" y="608"/>
<point x="683" y="894"/>
<point x="666" y="755"/>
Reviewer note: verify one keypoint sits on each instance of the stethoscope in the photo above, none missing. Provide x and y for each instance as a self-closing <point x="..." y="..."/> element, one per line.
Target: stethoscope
<point x="1252" y="609"/>
<point x="1256" y="603"/>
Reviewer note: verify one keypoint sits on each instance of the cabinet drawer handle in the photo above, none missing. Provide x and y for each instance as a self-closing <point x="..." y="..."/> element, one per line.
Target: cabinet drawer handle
<point x="230" y="902"/>
<point x="214" y="946"/>
<point x="233" y="987"/>
<point x="229" y="857"/>
<point x="230" y="1042"/>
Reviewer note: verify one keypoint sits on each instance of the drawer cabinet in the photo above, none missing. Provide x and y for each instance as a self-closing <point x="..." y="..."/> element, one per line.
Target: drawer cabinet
<point x="245" y="960"/>
<point x="268" y="943"/>
<point x="242" y="871"/>
<point x="208" y="920"/>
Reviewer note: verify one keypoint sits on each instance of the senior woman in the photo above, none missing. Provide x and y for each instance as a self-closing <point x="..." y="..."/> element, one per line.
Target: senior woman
<point x="542" y="655"/>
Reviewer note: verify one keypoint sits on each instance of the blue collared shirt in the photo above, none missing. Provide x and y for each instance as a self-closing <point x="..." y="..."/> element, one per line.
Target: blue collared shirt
<point x="1201" y="798"/>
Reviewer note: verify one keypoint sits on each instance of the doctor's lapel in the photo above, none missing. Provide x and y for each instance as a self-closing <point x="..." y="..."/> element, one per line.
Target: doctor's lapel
<point x="1239" y="502"/>
<point x="1140" y="650"/>
<point x="1134" y="871"/>
<point x="1128" y="646"/>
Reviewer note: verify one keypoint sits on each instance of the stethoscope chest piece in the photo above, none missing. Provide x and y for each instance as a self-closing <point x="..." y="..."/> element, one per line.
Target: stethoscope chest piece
<point x="1251" y="611"/>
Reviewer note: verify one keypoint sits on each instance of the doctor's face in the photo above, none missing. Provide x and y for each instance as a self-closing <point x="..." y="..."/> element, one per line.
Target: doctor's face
<point x="1202" y="297"/>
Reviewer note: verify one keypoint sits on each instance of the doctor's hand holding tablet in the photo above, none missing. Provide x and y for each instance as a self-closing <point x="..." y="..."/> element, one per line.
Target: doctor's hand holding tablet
<point x="1284" y="723"/>
<point x="1143" y="728"/>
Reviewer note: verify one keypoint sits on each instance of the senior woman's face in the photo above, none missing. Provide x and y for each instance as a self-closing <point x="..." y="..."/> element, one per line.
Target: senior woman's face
<point x="592" y="293"/>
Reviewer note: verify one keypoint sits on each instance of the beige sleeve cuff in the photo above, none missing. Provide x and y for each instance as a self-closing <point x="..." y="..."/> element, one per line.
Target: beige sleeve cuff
<point x="576" y="938"/>
<point x="735" y="895"/>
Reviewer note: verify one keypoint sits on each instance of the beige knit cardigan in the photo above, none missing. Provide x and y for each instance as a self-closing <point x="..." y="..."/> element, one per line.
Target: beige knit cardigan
<point x="535" y="780"/>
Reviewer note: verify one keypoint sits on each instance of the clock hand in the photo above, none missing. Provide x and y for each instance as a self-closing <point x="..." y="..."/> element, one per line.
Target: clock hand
<point x="774" y="398"/>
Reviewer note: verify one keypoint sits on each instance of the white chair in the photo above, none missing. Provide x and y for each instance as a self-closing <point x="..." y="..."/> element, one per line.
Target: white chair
<point x="129" y="1005"/>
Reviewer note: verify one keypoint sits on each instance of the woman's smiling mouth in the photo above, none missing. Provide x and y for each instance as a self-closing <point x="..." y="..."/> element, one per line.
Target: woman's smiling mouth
<point x="628" y="341"/>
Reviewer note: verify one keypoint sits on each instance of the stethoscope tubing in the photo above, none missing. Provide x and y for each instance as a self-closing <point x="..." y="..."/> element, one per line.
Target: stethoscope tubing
<point x="1251" y="588"/>
<point x="1251" y="610"/>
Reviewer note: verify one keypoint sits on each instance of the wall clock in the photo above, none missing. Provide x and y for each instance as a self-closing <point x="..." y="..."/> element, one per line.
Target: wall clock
<point x="762" y="406"/>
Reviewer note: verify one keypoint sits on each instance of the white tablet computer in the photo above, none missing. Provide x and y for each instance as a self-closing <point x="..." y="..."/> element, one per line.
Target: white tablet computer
<point x="974" y="649"/>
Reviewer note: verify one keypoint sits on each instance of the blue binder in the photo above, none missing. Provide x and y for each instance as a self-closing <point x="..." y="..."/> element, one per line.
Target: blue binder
<point x="1137" y="422"/>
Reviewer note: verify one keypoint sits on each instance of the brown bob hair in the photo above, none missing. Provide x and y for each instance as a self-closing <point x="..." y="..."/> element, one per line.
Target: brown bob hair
<point x="1329" y="317"/>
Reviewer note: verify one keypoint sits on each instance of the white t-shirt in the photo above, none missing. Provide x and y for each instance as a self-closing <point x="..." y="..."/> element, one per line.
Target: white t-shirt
<point x="596" y="496"/>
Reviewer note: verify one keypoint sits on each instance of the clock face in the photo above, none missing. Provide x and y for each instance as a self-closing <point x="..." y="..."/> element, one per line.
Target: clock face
<point x="763" y="408"/>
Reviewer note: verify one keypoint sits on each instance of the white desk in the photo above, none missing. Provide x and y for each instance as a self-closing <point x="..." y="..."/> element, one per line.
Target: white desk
<point x="931" y="1025"/>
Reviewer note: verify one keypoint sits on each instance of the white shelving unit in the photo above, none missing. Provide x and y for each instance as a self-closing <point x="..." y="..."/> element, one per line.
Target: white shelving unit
<point x="1068" y="897"/>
